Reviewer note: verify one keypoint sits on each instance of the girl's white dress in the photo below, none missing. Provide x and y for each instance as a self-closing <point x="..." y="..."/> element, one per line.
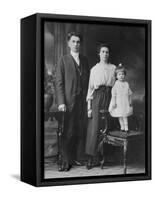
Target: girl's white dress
<point x="120" y="95"/>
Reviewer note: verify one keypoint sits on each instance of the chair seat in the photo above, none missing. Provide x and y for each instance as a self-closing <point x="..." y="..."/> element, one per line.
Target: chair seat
<point x="120" y="134"/>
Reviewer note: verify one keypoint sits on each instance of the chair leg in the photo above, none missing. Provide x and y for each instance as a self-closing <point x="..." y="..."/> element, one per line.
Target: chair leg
<point x="102" y="163"/>
<point x="125" y="156"/>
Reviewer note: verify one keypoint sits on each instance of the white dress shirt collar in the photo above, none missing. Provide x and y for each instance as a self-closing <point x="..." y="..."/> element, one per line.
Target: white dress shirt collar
<point x="76" y="57"/>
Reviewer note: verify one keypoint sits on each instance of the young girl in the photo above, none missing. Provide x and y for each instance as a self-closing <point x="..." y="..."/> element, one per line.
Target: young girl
<point x="121" y="102"/>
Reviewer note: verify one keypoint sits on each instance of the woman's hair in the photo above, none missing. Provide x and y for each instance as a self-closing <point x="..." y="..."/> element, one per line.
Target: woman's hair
<point x="102" y="45"/>
<point x="70" y="34"/>
<point x="120" y="68"/>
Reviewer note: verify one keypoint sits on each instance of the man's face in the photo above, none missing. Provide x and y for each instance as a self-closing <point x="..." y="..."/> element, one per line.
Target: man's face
<point x="74" y="44"/>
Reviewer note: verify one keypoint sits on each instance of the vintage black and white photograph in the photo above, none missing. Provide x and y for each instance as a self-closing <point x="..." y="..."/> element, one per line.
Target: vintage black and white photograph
<point x="94" y="99"/>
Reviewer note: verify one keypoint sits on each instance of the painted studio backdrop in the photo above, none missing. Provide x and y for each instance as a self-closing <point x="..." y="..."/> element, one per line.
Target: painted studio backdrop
<point x="127" y="46"/>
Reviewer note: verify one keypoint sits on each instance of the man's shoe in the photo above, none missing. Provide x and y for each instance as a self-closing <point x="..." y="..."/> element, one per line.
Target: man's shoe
<point x="60" y="167"/>
<point x="102" y="163"/>
<point x="89" y="164"/>
<point x="67" y="167"/>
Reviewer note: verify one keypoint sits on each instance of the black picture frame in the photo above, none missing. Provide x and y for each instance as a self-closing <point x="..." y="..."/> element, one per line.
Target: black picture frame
<point x="32" y="99"/>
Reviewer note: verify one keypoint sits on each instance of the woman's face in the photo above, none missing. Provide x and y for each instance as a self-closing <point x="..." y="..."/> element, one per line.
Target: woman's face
<point x="104" y="54"/>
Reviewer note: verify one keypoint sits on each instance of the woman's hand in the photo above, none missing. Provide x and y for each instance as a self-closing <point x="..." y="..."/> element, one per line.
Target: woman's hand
<point x="89" y="113"/>
<point x="89" y="108"/>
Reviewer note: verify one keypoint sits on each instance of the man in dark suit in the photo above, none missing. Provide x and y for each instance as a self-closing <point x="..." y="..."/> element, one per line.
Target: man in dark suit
<point x="72" y="77"/>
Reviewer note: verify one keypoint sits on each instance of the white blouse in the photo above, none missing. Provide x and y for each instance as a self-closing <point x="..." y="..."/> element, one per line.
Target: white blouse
<point x="100" y="74"/>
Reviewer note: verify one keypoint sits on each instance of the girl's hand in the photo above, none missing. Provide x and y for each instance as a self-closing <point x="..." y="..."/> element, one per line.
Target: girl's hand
<point x="130" y="103"/>
<point x="114" y="106"/>
<point x="89" y="113"/>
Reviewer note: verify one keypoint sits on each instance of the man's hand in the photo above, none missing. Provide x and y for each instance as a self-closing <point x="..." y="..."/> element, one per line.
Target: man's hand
<point x="62" y="108"/>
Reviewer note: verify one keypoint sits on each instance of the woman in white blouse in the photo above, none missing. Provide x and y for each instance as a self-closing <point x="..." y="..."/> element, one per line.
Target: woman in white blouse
<point x="102" y="78"/>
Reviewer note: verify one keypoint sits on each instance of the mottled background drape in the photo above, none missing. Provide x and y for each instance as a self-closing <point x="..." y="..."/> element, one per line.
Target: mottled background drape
<point x="127" y="46"/>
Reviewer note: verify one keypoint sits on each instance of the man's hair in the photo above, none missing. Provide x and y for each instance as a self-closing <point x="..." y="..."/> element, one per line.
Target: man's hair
<point x="102" y="45"/>
<point x="120" y="68"/>
<point x="70" y="34"/>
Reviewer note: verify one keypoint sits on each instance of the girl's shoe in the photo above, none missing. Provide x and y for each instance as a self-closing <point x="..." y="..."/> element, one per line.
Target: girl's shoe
<point x="127" y="132"/>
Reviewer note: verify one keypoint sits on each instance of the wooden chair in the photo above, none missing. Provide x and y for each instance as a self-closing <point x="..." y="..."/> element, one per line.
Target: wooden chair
<point x="109" y="133"/>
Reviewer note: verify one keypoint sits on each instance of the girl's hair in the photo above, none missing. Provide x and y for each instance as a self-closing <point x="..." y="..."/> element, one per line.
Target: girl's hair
<point x="120" y="68"/>
<point x="102" y="45"/>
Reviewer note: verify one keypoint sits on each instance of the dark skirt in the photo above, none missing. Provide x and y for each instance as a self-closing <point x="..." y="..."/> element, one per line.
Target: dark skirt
<point x="101" y="100"/>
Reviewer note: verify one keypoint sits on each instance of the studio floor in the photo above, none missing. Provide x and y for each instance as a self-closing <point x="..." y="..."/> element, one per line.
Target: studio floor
<point x="51" y="170"/>
<point x="113" y="166"/>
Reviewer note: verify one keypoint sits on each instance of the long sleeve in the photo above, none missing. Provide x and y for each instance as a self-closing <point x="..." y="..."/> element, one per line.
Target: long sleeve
<point x="113" y="97"/>
<point x="60" y="84"/>
<point x="90" y="88"/>
<point x="113" y="91"/>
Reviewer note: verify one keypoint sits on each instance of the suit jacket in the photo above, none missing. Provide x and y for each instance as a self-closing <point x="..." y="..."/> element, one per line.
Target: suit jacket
<point x="67" y="77"/>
